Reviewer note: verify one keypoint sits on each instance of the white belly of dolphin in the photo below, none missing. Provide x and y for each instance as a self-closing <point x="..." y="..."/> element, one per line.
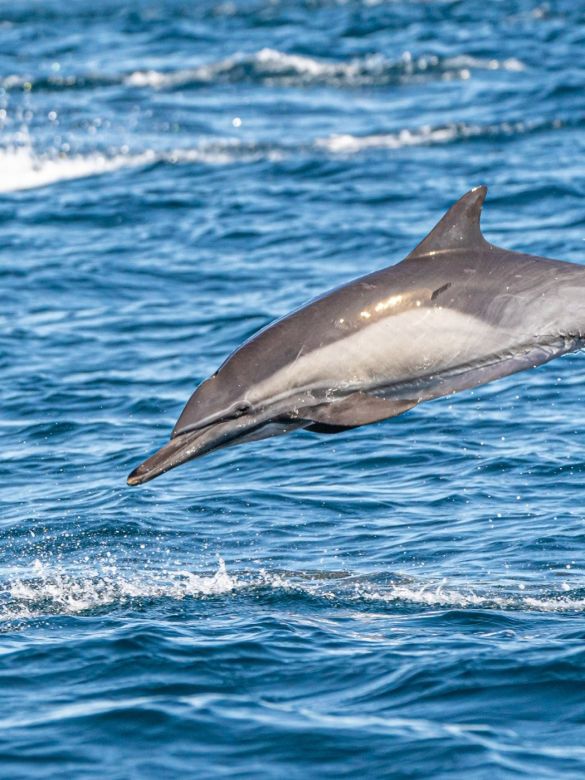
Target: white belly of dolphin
<point x="405" y="346"/>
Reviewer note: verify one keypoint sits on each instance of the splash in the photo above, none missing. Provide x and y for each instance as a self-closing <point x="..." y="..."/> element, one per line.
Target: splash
<point x="54" y="590"/>
<point x="404" y="591"/>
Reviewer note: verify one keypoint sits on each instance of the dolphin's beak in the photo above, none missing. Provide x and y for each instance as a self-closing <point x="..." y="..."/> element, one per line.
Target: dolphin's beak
<point x="187" y="446"/>
<point x="193" y="444"/>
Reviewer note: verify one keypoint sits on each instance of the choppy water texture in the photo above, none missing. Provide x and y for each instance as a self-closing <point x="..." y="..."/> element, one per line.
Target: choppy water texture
<point x="406" y="600"/>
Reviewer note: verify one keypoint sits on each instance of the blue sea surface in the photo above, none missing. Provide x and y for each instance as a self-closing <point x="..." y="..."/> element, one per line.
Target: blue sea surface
<point x="405" y="600"/>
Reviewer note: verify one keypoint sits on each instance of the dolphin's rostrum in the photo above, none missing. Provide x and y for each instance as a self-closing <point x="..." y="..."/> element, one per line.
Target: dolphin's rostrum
<point x="456" y="313"/>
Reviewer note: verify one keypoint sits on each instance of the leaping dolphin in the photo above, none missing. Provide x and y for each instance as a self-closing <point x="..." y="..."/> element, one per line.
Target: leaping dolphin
<point x="456" y="313"/>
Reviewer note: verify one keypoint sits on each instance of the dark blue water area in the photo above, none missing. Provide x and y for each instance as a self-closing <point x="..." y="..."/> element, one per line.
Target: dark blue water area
<point x="406" y="600"/>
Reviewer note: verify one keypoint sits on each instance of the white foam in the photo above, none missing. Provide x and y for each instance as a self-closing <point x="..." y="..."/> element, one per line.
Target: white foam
<point x="45" y="589"/>
<point x="23" y="169"/>
<point x="441" y="595"/>
<point x="422" y="136"/>
<point x="435" y="594"/>
<point x="269" y="65"/>
<point x="352" y="144"/>
<point x="55" y="591"/>
<point x="275" y="67"/>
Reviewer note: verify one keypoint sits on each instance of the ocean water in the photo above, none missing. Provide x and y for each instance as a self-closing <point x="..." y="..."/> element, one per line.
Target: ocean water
<point x="406" y="600"/>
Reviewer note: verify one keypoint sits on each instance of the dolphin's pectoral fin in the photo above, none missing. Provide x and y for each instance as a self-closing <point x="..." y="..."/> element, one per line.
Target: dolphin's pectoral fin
<point x="353" y="410"/>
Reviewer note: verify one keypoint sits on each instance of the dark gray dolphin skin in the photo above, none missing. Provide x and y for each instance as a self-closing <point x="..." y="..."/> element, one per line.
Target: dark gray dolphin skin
<point x="456" y="313"/>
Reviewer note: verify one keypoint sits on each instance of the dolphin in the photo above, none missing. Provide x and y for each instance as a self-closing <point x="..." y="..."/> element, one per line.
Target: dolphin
<point x="456" y="313"/>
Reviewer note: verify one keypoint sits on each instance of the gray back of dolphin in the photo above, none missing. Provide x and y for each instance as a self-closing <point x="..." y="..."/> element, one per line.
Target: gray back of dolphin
<point x="456" y="313"/>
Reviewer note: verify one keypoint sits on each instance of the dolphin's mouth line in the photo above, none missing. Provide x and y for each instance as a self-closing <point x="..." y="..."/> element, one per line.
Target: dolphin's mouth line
<point x="190" y="444"/>
<point x="233" y="413"/>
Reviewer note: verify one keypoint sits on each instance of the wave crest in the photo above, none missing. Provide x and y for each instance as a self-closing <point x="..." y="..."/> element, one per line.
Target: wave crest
<point x="276" y="68"/>
<point x="428" y="136"/>
<point x="24" y="169"/>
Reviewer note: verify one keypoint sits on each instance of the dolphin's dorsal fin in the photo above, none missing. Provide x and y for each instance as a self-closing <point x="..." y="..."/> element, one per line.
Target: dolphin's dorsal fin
<point x="458" y="229"/>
